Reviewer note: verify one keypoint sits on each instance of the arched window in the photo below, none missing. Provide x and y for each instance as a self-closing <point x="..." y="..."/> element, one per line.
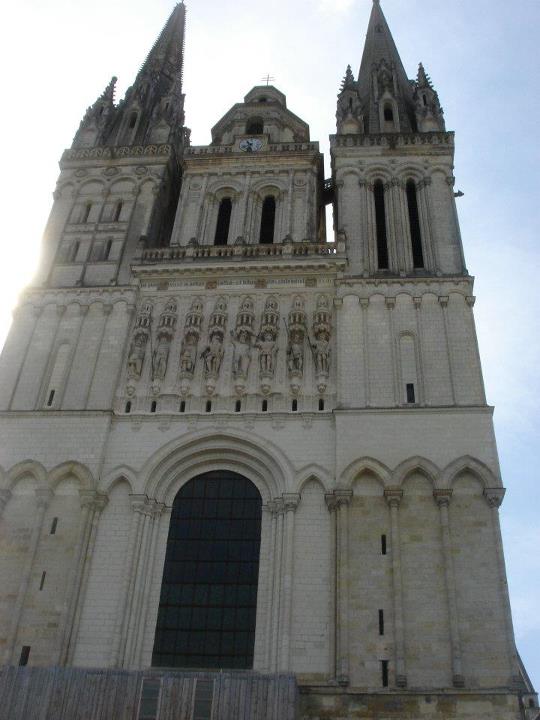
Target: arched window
<point x="414" y="225"/>
<point x="388" y="113"/>
<point x="255" y="126"/>
<point x="380" y="222"/>
<point x="208" y="601"/>
<point x="118" y="211"/>
<point x="268" y="221"/>
<point x="132" y="120"/>
<point x="223" y="222"/>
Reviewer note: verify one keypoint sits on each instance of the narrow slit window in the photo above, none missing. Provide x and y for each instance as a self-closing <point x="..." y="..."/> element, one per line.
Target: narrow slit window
<point x="265" y="405"/>
<point x="107" y="249"/>
<point x="268" y="221"/>
<point x="208" y="406"/>
<point x="25" y="655"/>
<point x="380" y="221"/>
<point x="118" y="211"/>
<point x="237" y="406"/>
<point x="54" y="525"/>
<point x="42" y="581"/>
<point x="128" y="407"/>
<point x="411" y="395"/>
<point x="153" y="406"/>
<point x="414" y="225"/>
<point x="150" y="695"/>
<point x="50" y="399"/>
<point x="383" y="545"/>
<point x="321" y="405"/>
<point x="74" y="251"/>
<point x="223" y="222"/>
<point x="384" y="673"/>
<point x="294" y="405"/>
<point x="381" y="622"/>
<point x="86" y="212"/>
<point x="183" y="406"/>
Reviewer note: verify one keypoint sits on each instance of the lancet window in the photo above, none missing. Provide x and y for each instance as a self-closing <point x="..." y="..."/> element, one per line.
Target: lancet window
<point x="414" y="225"/>
<point x="268" y="221"/>
<point x="380" y="222"/>
<point x="223" y="222"/>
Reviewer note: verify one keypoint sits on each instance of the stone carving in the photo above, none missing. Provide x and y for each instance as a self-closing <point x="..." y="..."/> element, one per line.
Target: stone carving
<point x="242" y="339"/>
<point x="267" y="344"/>
<point x="190" y="343"/>
<point x="212" y="355"/>
<point x="137" y="350"/>
<point x="165" y="335"/>
<point x="296" y="331"/>
<point x="322" y="331"/>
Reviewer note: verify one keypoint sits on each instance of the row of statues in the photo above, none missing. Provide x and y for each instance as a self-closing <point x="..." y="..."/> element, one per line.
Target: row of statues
<point x="244" y="338"/>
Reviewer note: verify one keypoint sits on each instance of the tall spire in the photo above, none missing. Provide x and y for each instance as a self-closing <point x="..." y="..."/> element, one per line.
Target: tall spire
<point x="166" y="57"/>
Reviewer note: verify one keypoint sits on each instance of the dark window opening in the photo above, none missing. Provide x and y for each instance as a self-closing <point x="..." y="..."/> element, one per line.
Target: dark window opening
<point x="414" y="225"/>
<point x="86" y="212"/>
<point x="50" y="399"/>
<point x="321" y="404"/>
<point x="380" y="220"/>
<point x="74" y="251"/>
<point x="265" y="405"/>
<point x="294" y="405"/>
<point x="107" y="249"/>
<point x="223" y="222"/>
<point x="531" y="704"/>
<point x="117" y="211"/>
<point x="149" y="703"/>
<point x="54" y="525"/>
<point x="424" y="98"/>
<point x="208" y="602"/>
<point x="153" y="406"/>
<point x="132" y="120"/>
<point x="381" y="622"/>
<point x="255" y="126"/>
<point x="383" y="544"/>
<point x="128" y="407"/>
<point x="411" y="399"/>
<point x="384" y="672"/>
<point x="268" y="221"/>
<point x="237" y="406"/>
<point x="42" y="581"/>
<point x="183" y="406"/>
<point x="388" y="114"/>
<point x="208" y="406"/>
<point x="204" y="698"/>
<point x="25" y="654"/>
<point x="263" y="99"/>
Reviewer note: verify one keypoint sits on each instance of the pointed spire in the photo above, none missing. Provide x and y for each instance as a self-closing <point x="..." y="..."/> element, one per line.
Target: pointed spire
<point x="108" y="93"/>
<point x="423" y="80"/>
<point x="348" y="82"/>
<point x="167" y="54"/>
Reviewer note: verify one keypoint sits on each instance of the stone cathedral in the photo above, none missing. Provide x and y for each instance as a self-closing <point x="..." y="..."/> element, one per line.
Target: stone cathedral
<point x="248" y="471"/>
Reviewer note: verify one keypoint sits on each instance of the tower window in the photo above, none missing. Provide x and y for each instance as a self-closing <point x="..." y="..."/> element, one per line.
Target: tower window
<point x="237" y="406"/>
<point x="128" y="407"/>
<point x="380" y="221"/>
<point x="86" y="212"/>
<point x="223" y="222"/>
<point x="384" y="672"/>
<point x="118" y="211"/>
<point x="50" y="399"/>
<point x="74" y="251"/>
<point x="424" y="98"/>
<point x="208" y="406"/>
<point x="381" y="622"/>
<point x="182" y="406"/>
<point x="294" y="405"/>
<point x="132" y="120"/>
<point x="265" y="405"/>
<point x="388" y="113"/>
<point x="268" y="221"/>
<point x="383" y="544"/>
<point x="321" y="404"/>
<point x="153" y="406"/>
<point x="42" y="581"/>
<point x="54" y="525"/>
<point x="107" y="249"/>
<point x="25" y="655"/>
<point x="411" y="399"/>
<point x="414" y="225"/>
<point x="255" y="126"/>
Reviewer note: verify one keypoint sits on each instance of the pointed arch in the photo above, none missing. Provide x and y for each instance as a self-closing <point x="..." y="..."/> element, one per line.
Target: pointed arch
<point x="118" y="474"/>
<point x="27" y="467"/>
<point x="79" y="471"/>
<point x="467" y="463"/>
<point x="316" y="473"/>
<point x="356" y="468"/>
<point x="416" y="464"/>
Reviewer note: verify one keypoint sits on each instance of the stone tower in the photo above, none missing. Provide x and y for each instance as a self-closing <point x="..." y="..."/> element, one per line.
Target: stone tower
<point x="247" y="471"/>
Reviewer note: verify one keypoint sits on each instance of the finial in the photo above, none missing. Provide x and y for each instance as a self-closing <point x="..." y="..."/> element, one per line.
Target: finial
<point x="348" y="80"/>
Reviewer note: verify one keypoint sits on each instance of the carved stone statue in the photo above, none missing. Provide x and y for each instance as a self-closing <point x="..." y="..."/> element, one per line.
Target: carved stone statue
<point x="267" y="353"/>
<point x="213" y="355"/>
<point x="136" y="356"/>
<point x="295" y="352"/>
<point x="160" y="359"/>
<point x="242" y="353"/>
<point x="321" y="351"/>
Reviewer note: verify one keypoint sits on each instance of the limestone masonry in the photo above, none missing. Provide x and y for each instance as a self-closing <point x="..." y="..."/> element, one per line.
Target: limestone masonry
<point x="247" y="465"/>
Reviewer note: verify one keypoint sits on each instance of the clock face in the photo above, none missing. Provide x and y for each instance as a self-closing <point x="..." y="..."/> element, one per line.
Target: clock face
<point x="250" y="145"/>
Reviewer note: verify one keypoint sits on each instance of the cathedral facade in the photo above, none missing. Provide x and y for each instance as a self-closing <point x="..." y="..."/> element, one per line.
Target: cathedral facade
<point x="237" y="443"/>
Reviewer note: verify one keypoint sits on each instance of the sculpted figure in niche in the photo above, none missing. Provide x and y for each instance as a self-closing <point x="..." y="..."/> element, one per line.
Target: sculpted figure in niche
<point x="267" y="353"/>
<point x="136" y="356"/>
<point x="188" y="355"/>
<point x="160" y="359"/>
<point x="295" y="352"/>
<point x="242" y="353"/>
<point x="213" y="355"/>
<point x="321" y="351"/>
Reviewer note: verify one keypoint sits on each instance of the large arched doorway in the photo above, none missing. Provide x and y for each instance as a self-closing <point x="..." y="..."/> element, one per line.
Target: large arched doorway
<point x="208" y="601"/>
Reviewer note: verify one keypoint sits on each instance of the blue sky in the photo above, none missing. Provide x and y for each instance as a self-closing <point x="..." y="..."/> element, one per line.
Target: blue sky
<point x="483" y="57"/>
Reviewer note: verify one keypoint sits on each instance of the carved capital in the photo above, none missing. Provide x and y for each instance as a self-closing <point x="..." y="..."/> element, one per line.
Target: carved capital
<point x="470" y="300"/>
<point x="107" y="308"/>
<point x="425" y="182"/>
<point x="364" y="303"/>
<point x="451" y="180"/>
<point x="442" y="496"/>
<point x="494" y="496"/>
<point x="390" y="302"/>
<point x="330" y="500"/>
<point x="443" y="300"/>
<point x="393" y="496"/>
<point x="60" y="310"/>
<point x="338" y="302"/>
<point x="291" y="501"/>
<point x="139" y="503"/>
<point x="417" y="302"/>
<point x="343" y="497"/>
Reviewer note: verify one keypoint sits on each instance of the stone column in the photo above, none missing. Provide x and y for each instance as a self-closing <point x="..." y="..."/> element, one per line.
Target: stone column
<point x="364" y="225"/>
<point x="417" y="301"/>
<point x="342" y="500"/>
<point x="43" y="498"/>
<point x="430" y="257"/>
<point x="393" y="497"/>
<point x="290" y="503"/>
<point x="442" y="498"/>
<point x="99" y="503"/>
<point x="330" y="499"/>
<point x="278" y="553"/>
<point x="494" y="498"/>
<point x="5" y="496"/>
<point x="126" y="587"/>
<point x="364" y="304"/>
<point x="390" y="305"/>
<point x="443" y="302"/>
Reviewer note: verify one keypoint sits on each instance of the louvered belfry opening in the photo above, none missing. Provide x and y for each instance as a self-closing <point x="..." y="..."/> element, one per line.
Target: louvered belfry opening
<point x="268" y="221"/>
<point x="208" y="602"/>
<point x="223" y="222"/>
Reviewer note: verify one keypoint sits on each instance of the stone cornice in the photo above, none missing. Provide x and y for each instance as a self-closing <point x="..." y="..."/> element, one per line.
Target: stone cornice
<point x="288" y="148"/>
<point x="444" y="140"/>
<point x="117" y="153"/>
